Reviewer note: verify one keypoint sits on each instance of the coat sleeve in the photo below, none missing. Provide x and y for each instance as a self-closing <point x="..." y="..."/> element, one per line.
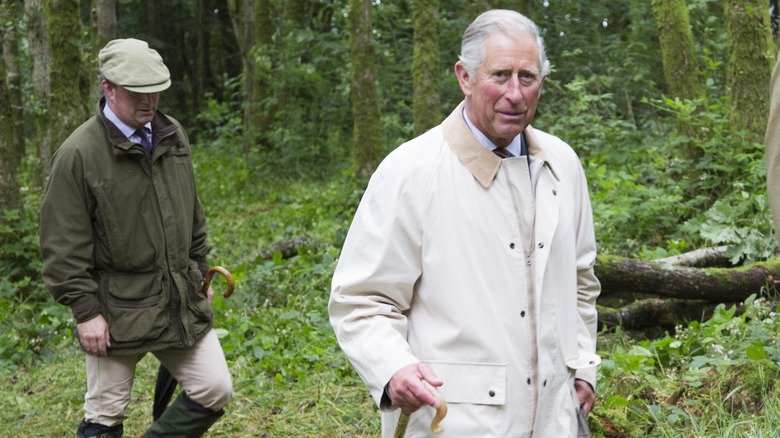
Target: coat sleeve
<point x="198" y="246"/>
<point x="66" y="237"/>
<point x="772" y="150"/>
<point x="373" y="283"/>
<point x="588" y="286"/>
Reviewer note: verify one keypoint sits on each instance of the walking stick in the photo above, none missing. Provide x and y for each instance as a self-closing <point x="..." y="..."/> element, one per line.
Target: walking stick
<point x="166" y="383"/>
<point x="441" y="412"/>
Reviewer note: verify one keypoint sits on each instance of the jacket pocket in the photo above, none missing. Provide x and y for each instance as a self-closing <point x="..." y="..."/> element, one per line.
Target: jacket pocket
<point x="198" y="301"/>
<point x="136" y="306"/>
<point x="586" y="360"/>
<point x="472" y="383"/>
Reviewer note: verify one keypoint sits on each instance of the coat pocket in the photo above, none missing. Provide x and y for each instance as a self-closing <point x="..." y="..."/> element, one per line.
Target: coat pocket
<point x="136" y="306"/>
<point x="472" y="383"/>
<point x="587" y="360"/>
<point x="198" y="301"/>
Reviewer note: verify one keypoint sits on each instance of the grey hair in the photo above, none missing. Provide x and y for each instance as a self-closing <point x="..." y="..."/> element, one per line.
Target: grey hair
<point x="472" y="48"/>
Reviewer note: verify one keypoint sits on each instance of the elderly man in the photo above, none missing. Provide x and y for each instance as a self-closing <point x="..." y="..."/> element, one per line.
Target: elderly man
<point x="123" y="237"/>
<point x="469" y="264"/>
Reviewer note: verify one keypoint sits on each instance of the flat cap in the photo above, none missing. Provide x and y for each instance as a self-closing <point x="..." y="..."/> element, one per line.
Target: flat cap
<point x="133" y="65"/>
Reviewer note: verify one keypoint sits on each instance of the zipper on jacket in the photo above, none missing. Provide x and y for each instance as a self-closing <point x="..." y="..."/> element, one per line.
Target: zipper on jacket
<point x="525" y="216"/>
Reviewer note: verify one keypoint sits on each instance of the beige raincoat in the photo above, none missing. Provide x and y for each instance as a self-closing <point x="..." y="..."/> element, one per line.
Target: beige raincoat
<point x="450" y="261"/>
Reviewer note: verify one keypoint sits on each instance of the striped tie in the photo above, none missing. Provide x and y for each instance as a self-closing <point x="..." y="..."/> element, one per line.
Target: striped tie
<point x="502" y="152"/>
<point x="143" y="134"/>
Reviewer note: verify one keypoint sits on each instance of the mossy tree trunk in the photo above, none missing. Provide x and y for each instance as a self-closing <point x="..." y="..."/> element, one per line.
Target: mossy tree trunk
<point x="681" y="69"/>
<point x="426" y="104"/>
<point x="366" y="133"/>
<point x="40" y="53"/>
<point x="11" y="136"/>
<point x="104" y="24"/>
<point x="750" y="55"/>
<point x="67" y="107"/>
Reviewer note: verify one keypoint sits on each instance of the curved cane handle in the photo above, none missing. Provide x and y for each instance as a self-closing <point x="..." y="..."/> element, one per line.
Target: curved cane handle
<point x="441" y="412"/>
<point x="207" y="280"/>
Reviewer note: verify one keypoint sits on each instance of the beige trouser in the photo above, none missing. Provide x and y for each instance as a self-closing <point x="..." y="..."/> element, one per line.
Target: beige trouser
<point x="201" y="371"/>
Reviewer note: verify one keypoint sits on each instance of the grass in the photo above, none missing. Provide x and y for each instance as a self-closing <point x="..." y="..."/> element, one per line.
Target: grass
<point x="712" y="379"/>
<point x="46" y="401"/>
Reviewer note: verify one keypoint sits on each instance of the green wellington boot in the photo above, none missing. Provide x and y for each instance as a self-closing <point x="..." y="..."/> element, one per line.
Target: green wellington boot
<point x="184" y="418"/>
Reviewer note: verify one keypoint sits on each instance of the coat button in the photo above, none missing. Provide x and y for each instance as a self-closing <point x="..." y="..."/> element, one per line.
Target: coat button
<point x="544" y="383"/>
<point x="528" y="380"/>
<point x="522" y="313"/>
<point x="555" y="192"/>
<point x="541" y="245"/>
<point x="512" y="245"/>
<point x="492" y="393"/>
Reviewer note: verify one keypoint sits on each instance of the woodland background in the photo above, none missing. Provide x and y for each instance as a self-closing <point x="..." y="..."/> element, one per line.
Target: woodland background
<point x="291" y="104"/>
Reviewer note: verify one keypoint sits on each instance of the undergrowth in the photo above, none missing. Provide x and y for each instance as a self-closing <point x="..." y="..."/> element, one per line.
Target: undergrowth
<point x="711" y="378"/>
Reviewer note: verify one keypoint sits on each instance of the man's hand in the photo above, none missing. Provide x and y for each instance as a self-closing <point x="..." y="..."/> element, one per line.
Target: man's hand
<point x="94" y="337"/>
<point x="210" y="295"/>
<point x="585" y="394"/>
<point x="407" y="390"/>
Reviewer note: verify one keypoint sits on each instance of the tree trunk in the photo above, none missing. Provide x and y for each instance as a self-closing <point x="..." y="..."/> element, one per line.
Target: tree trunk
<point x="242" y="16"/>
<point x="67" y="108"/>
<point x="104" y="22"/>
<point x="426" y="106"/>
<point x="257" y="116"/>
<point x="366" y="135"/>
<point x="681" y="69"/>
<point x="750" y="55"/>
<point x="11" y="141"/>
<point x="40" y="53"/>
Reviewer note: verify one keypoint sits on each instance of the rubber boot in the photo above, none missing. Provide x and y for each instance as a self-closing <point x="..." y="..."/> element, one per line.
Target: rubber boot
<point x="184" y="418"/>
<point x="88" y="429"/>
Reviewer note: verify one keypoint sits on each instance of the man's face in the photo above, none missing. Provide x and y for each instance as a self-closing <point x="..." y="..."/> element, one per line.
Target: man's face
<point x="135" y="109"/>
<point x="501" y="99"/>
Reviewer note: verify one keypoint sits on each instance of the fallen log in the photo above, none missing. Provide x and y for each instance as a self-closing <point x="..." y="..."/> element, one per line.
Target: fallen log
<point x="655" y="312"/>
<point x="287" y="248"/>
<point x="620" y="275"/>
<point x="663" y="293"/>
<point x="701" y="258"/>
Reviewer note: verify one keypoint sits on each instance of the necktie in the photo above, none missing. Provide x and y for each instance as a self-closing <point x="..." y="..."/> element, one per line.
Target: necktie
<point x="502" y="152"/>
<point x="143" y="134"/>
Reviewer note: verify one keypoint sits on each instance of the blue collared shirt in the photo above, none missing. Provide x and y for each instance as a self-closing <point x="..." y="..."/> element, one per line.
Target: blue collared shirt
<point x="517" y="147"/>
<point x="126" y="129"/>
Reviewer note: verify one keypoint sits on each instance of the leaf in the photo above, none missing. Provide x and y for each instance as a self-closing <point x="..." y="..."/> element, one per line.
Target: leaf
<point x="756" y="351"/>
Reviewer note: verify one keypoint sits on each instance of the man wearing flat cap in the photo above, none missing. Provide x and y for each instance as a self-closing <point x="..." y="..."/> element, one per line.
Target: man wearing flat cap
<point x="123" y="237"/>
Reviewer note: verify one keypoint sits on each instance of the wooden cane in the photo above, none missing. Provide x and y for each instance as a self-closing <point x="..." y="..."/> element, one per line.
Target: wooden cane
<point x="441" y="412"/>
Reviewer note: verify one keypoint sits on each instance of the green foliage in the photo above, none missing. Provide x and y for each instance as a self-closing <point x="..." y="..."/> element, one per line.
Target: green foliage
<point x="604" y="97"/>
<point x="20" y="259"/>
<point x="644" y="200"/>
<point x="706" y="377"/>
